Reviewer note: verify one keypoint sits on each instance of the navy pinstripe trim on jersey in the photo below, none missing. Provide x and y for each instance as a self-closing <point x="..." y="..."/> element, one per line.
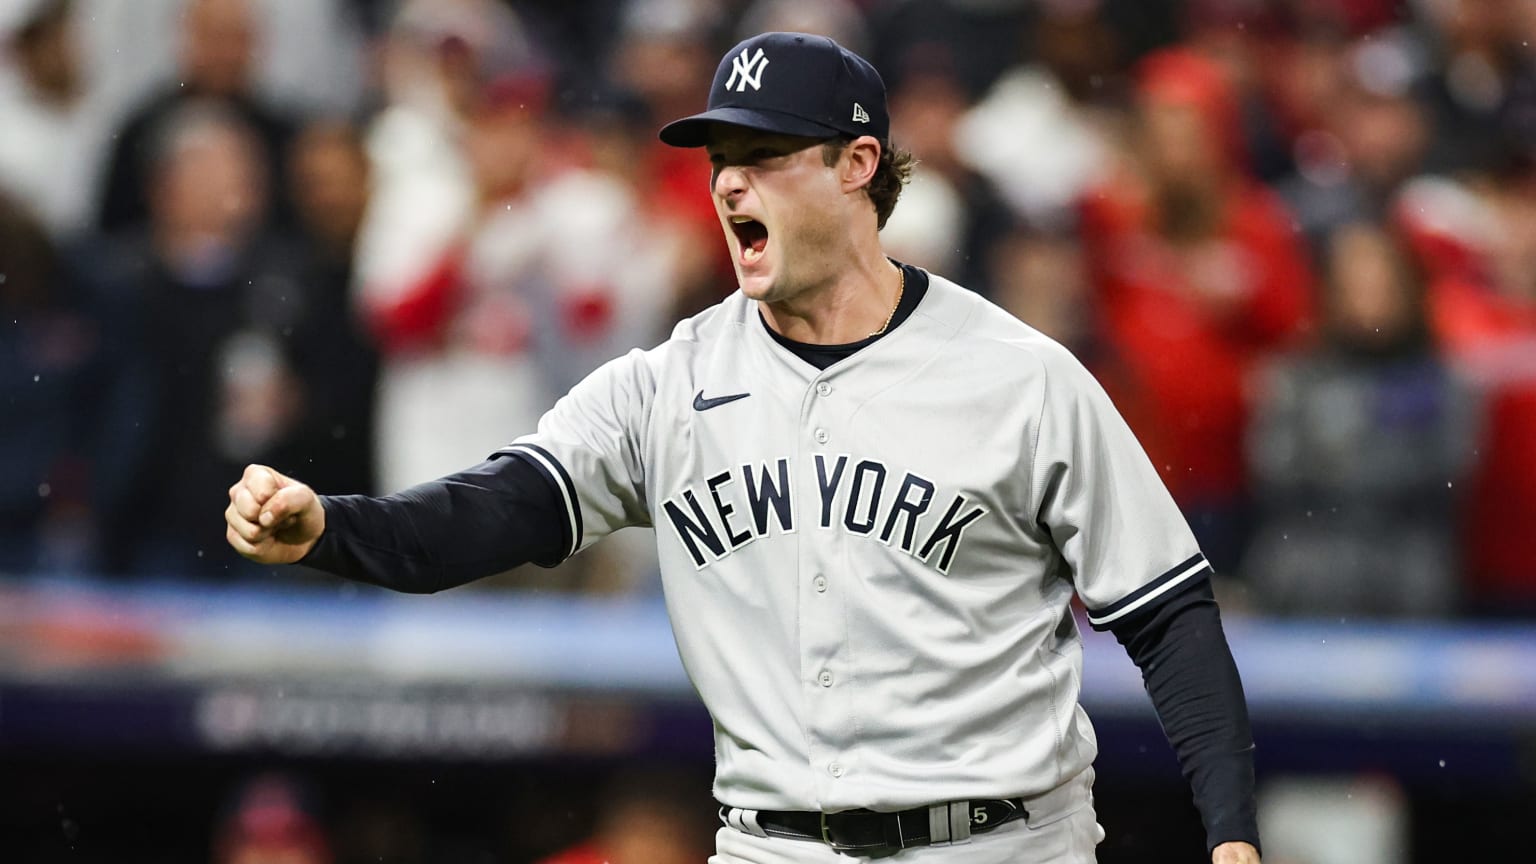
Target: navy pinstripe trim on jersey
<point x="1192" y="569"/>
<point x="543" y="458"/>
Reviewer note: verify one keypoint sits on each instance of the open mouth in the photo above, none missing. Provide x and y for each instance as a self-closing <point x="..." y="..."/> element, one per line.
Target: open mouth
<point x="753" y="236"/>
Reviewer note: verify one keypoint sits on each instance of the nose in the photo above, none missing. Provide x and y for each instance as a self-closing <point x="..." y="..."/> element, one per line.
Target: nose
<point x="730" y="183"/>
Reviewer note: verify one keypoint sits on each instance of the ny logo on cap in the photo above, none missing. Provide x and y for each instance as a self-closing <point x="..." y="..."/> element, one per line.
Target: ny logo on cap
<point x="749" y="69"/>
<point x="859" y="114"/>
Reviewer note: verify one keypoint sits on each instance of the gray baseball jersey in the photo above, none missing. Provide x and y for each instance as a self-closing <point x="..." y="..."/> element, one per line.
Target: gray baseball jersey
<point x="869" y="567"/>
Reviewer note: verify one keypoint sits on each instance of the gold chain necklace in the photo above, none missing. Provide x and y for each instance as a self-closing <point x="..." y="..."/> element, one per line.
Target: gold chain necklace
<point x="900" y="289"/>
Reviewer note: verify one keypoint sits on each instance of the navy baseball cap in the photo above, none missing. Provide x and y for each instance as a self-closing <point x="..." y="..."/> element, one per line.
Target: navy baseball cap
<point x="794" y="84"/>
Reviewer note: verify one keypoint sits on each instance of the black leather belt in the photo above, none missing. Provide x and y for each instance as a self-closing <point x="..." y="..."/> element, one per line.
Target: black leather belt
<point x="868" y="831"/>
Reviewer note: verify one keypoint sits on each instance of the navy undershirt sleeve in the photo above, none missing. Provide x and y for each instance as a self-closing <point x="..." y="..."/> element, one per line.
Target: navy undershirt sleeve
<point x="485" y="520"/>
<point x="1189" y="673"/>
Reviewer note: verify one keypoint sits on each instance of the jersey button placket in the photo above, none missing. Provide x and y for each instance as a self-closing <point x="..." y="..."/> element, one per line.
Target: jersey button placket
<point x="831" y="717"/>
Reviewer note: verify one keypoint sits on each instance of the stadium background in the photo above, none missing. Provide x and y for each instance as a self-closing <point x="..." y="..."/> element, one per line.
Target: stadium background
<point x="367" y="242"/>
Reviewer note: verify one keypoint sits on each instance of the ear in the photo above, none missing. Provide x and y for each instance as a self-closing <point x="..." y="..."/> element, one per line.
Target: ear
<point x="856" y="166"/>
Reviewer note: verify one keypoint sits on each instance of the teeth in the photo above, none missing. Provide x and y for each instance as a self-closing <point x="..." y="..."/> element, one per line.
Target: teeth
<point x="750" y="255"/>
<point x="741" y="220"/>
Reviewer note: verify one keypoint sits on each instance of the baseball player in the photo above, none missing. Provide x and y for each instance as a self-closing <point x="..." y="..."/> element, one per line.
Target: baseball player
<point x="874" y="495"/>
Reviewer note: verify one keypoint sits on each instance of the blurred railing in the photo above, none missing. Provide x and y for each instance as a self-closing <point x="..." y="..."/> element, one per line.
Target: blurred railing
<point x="340" y="669"/>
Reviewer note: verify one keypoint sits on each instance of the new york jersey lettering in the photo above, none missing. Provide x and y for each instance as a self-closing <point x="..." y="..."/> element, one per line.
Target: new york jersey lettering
<point x="948" y="532"/>
<point x="735" y="507"/>
<point x="769" y="492"/>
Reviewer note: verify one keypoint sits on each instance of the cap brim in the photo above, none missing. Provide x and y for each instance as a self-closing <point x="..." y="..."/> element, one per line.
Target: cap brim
<point x="694" y="131"/>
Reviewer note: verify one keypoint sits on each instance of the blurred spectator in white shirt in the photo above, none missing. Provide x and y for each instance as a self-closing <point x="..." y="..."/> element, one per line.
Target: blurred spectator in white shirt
<point x="550" y="275"/>
<point x="1034" y="134"/>
<point x="438" y="57"/>
<point x="54" y="135"/>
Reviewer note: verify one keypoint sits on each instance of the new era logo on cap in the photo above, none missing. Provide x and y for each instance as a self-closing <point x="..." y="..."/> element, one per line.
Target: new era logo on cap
<point x="813" y="83"/>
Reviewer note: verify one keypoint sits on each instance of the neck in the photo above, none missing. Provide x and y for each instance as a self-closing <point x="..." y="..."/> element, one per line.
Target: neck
<point x="854" y="304"/>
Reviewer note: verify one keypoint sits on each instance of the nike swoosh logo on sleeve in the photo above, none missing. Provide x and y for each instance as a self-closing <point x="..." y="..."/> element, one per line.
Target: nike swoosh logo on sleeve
<point x="702" y="404"/>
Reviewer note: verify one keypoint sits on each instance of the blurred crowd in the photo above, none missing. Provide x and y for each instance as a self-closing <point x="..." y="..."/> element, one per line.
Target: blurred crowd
<point x="370" y="242"/>
<point x="635" y="815"/>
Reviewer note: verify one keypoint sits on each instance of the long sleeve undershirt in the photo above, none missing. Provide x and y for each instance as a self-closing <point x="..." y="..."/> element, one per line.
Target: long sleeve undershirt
<point x="479" y="522"/>
<point x="1192" y="680"/>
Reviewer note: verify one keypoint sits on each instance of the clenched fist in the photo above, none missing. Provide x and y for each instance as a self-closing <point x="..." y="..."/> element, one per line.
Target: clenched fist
<point x="272" y="519"/>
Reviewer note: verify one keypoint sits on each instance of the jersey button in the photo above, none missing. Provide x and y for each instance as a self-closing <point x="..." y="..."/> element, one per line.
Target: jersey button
<point x="835" y="769"/>
<point x="825" y="678"/>
<point x="821" y="584"/>
<point x="823" y="388"/>
<point x="821" y="436"/>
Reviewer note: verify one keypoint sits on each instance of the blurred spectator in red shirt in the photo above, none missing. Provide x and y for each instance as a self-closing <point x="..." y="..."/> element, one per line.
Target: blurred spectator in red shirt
<point x="1199" y="273"/>
<point x="425" y="200"/>
<point x="1480" y="245"/>
<point x="646" y="817"/>
<point x="550" y="276"/>
<point x="270" y="824"/>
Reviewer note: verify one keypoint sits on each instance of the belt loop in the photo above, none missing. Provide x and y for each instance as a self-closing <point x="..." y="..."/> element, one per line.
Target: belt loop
<point x="749" y="819"/>
<point x="938" y="825"/>
<point x="742" y="820"/>
<point x="960" y="822"/>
